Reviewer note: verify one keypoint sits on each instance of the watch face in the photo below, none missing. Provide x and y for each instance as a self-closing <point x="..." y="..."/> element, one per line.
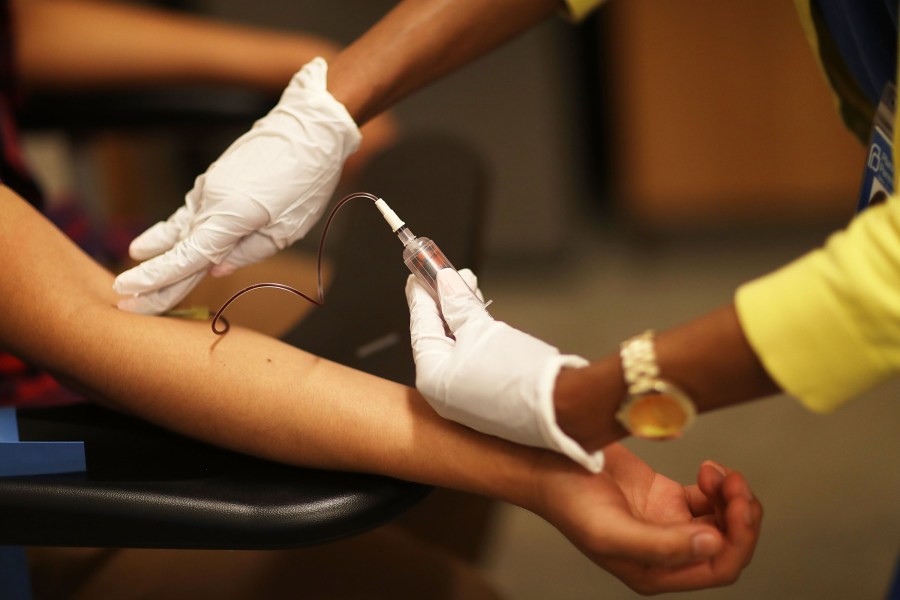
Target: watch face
<point x="658" y="415"/>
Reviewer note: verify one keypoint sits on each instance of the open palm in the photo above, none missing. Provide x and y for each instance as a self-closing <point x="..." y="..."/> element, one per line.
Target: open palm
<point x="653" y="533"/>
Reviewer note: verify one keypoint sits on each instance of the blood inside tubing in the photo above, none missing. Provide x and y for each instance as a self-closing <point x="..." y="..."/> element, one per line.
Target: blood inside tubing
<point x="320" y="301"/>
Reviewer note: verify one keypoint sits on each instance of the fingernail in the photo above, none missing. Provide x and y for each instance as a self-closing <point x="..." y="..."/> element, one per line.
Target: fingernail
<point x="717" y="467"/>
<point x="704" y="544"/>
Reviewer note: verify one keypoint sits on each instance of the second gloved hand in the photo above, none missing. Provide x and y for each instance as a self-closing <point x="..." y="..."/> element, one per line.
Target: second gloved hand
<point x="263" y="194"/>
<point x="487" y="375"/>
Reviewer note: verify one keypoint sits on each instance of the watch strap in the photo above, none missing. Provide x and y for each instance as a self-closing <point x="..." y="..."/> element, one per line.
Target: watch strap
<point x="639" y="366"/>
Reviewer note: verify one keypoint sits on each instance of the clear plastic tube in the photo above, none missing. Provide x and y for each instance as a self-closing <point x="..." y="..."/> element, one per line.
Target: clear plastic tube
<point x="421" y="255"/>
<point x="423" y="258"/>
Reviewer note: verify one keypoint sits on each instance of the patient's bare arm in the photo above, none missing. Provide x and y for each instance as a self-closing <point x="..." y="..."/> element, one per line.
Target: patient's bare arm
<point x="83" y="43"/>
<point x="255" y="394"/>
<point x="243" y="390"/>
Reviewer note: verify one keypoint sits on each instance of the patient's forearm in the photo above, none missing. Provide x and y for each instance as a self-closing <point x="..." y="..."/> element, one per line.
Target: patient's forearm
<point x="76" y="43"/>
<point x="257" y="395"/>
<point x="244" y="391"/>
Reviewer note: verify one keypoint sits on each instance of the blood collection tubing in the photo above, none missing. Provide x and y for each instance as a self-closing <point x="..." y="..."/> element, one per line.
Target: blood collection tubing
<point x="281" y="286"/>
<point x="421" y="255"/>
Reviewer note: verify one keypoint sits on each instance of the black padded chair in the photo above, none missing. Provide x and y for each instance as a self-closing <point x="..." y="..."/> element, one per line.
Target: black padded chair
<point x="183" y="108"/>
<point x="149" y="488"/>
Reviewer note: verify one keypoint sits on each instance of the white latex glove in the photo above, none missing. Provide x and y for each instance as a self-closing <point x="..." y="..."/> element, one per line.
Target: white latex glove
<point x="263" y="194"/>
<point x="488" y="375"/>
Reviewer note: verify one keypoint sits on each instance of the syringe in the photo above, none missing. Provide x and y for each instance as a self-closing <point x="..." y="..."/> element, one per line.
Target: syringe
<point x="421" y="255"/>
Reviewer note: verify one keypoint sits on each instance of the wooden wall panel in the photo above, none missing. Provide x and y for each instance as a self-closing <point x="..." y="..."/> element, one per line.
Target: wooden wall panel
<point x="722" y="114"/>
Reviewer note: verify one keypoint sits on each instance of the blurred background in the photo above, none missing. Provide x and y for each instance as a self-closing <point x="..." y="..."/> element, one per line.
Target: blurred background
<point x="642" y="165"/>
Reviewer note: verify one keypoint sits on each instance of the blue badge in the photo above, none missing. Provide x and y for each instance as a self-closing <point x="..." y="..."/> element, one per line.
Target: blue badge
<point x="878" y="177"/>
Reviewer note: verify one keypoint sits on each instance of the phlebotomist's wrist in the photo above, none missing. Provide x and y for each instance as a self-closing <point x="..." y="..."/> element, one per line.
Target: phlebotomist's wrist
<point x="702" y="365"/>
<point x="586" y="401"/>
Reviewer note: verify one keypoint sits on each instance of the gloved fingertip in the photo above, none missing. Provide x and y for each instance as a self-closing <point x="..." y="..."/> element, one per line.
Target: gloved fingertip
<point x="132" y="305"/>
<point x="469" y="277"/>
<point x="222" y="270"/>
<point x="125" y="304"/>
<point x="139" y="250"/>
<point x="418" y="297"/>
<point x="450" y="283"/>
<point x="120" y="286"/>
<point x="152" y="242"/>
<point x="414" y="286"/>
<point x="132" y="282"/>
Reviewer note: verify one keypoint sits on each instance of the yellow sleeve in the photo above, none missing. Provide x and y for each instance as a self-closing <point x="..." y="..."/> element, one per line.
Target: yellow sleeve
<point x="827" y="326"/>
<point x="576" y="10"/>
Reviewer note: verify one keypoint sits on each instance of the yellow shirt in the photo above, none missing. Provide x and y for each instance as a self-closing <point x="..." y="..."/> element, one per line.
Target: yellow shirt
<point x="578" y="9"/>
<point x="827" y="326"/>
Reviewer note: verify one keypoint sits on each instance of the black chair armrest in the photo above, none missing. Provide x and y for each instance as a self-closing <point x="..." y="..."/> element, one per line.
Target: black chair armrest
<point x="149" y="488"/>
<point x="151" y="108"/>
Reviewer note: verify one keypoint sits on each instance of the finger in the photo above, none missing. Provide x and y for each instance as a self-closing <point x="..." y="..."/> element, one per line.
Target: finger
<point x="736" y="485"/>
<point x="469" y="277"/>
<point x="180" y="262"/>
<point x="722" y="485"/>
<point x="420" y="301"/>
<point x="710" y="479"/>
<point x="737" y="492"/>
<point x="738" y="513"/>
<point x="162" y="300"/>
<point x="711" y="476"/>
<point x="161" y="236"/>
<point x="458" y="304"/>
<point x="252" y="249"/>
<point x="698" y="502"/>
<point x="426" y="327"/>
<point x="743" y="518"/>
<point x="471" y="281"/>
<point x="667" y="546"/>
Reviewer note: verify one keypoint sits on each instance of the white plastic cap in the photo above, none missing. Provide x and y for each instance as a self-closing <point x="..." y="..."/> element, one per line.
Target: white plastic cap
<point x="390" y="216"/>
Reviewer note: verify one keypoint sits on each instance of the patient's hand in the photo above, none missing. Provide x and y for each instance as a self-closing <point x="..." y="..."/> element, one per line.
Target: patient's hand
<point x="651" y="532"/>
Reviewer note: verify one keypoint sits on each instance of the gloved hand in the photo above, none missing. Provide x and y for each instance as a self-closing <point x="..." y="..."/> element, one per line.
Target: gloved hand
<point x="263" y="194"/>
<point x="486" y="374"/>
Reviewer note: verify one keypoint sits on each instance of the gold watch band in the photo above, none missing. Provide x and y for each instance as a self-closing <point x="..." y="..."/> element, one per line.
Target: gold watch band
<point x="639" y="366"/>
<point x="654" y="408"/>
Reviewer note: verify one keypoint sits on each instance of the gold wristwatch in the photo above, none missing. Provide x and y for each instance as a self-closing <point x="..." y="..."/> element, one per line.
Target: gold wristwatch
<point x="654" y="408"/>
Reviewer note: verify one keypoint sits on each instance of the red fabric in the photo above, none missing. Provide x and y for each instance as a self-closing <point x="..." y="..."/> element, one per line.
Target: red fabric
<point x="21" y="385"/>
